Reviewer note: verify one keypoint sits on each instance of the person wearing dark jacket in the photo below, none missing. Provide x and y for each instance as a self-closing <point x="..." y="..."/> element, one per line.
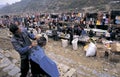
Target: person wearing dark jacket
<point x="71" y="37"/>
<point x="22" y="44"/>
<point x="71" y="32"/>
<point x="91" y="34"/>
<point x="112" y="35"/>
<point x="55" y="35"/>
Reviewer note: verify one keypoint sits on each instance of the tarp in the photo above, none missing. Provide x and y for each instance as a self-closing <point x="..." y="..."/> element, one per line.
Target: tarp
<point x="45" y="63"/>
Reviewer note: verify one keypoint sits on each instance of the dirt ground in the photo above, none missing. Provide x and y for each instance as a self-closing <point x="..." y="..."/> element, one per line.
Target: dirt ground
<point x="85" y="66"/>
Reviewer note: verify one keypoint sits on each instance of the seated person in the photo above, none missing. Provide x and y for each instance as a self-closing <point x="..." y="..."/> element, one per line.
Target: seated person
<point x="91" y="34"/>
<point x="83" y="32"/>
<point x="42" y="65"/>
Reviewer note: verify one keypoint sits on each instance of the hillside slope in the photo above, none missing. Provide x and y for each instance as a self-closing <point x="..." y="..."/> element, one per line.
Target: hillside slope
<point x="59" y="5"/>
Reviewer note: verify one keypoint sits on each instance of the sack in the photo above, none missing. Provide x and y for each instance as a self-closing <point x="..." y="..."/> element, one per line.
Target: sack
<point x="64" y="43"/>
<point x="91" y="51"/>
<point x="74" y="44"/>
<point x="115" y="47"/>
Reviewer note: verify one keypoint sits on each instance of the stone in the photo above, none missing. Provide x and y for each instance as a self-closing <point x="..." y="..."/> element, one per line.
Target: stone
<point x="17" y="75"/>
<point x="14" y="71"/>
<point x="15" y="55"/>
<point x="63" y="68"/>
<point x="14" y="61"/>
<point x="105" y="69"/>
<point x="6" y="51"/>
<point x="70" y="72"/>
<point x="7" y="54"/>
<point x="61" y="74"/>
<point x="118" y="65"/>
<point x="100" y="53"/>
<point x="8" y="68"/>
<point x="5" y="62"/>
<point x="2" y="51"/>
<point x="114" y="57"/>
<point x="10" y="35"/>
<point x="1" y="55"/>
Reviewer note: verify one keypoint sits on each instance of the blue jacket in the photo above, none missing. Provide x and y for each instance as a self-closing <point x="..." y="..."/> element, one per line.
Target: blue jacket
<point x="21" y="44"/>
<point x="38" y="55"/>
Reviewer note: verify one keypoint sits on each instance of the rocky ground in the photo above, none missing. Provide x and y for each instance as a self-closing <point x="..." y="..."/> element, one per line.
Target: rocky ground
<point x="70" y="62"/>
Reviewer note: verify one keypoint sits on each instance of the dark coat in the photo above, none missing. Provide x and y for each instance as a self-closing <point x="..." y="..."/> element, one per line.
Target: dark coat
<point x="21" y="44"/>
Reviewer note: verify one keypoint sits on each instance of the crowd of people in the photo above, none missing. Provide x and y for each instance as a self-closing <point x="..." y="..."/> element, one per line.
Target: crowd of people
<point x="26" y="27"/>
<point x="64" y="22"/>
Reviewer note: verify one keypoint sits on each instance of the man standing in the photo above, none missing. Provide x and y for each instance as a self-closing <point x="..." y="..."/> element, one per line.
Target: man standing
<point x="22" y="44"/>
<point x="55" y="35"/>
